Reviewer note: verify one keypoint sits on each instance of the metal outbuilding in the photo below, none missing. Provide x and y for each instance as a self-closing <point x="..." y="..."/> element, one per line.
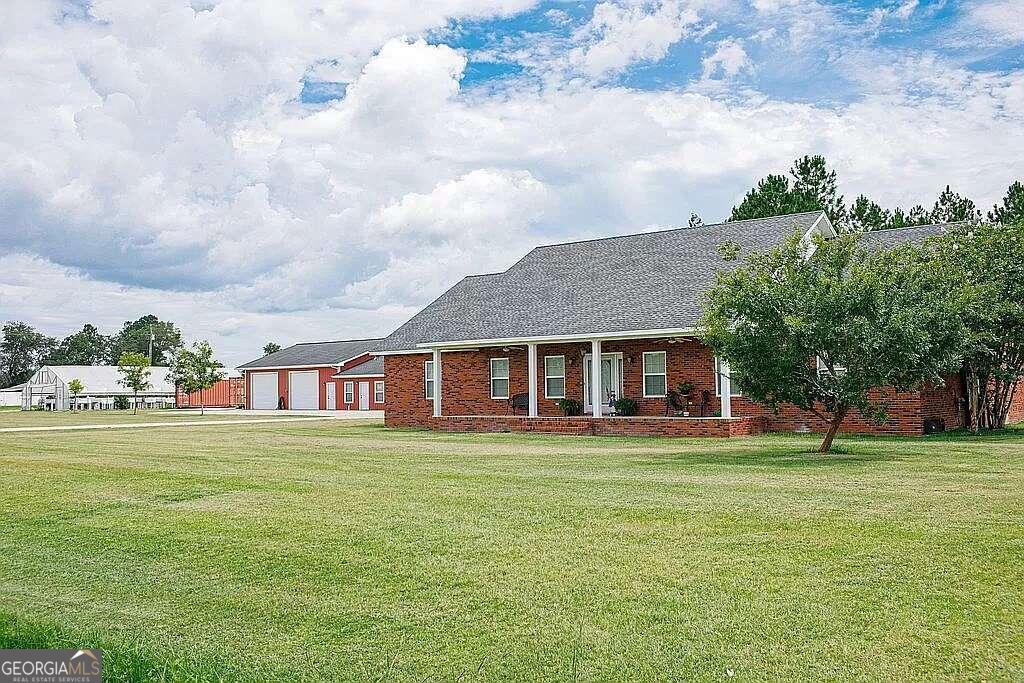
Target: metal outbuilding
<point x="48" y="388"/>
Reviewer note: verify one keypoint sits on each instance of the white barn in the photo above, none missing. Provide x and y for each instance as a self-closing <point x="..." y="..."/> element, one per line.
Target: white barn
<point x="11" y="396"/>
<point x="48" y="388"/>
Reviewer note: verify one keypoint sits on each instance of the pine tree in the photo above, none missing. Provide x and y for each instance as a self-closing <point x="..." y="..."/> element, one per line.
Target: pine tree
<point x="771" y="197"/>
<point x="1012" y="210"/>
<point x="817" y="187"/>
<point x="951" y="207"/>
<point x="866" y="215"/>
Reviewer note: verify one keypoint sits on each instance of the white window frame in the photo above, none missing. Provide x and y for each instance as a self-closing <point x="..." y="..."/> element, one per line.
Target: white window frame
<point x="350" y="393"/>
<point x="428" y="379"/>
<point x="378" y="390"/>
<point x="664" y="374"/>
<point x="507" y="378"/>
<point x="733" y="389"/>
<point x="547" y="377"/>
<point x="839" y="369"/>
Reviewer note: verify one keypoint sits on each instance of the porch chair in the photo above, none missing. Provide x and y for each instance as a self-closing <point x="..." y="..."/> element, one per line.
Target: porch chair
<point x="675" y="402"/>
<point x="519" y="402"/>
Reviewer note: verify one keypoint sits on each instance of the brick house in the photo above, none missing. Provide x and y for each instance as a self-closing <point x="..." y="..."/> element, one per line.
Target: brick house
<point x="622" y="309"/>
<point x="334" y="375"/>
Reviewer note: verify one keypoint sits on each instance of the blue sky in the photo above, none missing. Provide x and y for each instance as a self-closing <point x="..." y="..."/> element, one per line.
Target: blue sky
<point x="320" y="169"/>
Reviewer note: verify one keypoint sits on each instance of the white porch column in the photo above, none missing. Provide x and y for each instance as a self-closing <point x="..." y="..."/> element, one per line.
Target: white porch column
<point x="726" y="383"/>
<point x="531" y="368"/>
<point x="437" y="382"/>
<point x="595" y="376"/>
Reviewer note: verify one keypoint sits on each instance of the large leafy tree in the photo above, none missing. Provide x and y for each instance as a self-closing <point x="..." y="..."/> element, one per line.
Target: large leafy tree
<point x="271" y="347"/>
<point x="22" y="350"/>
<point x="951" y="207"/>
<point x="134" y="369"/>
<point x="135" y="337"/>
<point x="822" y="330"/>
<point x="1012" y="208"/>
<point x="987" y="262"/>
<point x="196" y="369"/>
<point x="86" y="347"/>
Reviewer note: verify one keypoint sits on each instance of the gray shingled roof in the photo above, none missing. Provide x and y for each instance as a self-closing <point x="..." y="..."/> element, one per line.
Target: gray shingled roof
<point x="649" y="281"/>
<point x="374" y="366"/>
<point x="914" y="234"/>
<point x="315" y="353"/>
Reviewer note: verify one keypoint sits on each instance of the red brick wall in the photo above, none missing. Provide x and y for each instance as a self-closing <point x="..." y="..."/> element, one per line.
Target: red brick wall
<point x="1016" y="413"/>
<point x="945" y="402"/>
<point x="405" y="402"/>
<point x="466" y="389"/>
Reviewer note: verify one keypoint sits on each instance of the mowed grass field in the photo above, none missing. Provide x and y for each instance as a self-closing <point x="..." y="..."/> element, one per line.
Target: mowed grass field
<point x="326" y="550"/>
<point x="15" y="417"/>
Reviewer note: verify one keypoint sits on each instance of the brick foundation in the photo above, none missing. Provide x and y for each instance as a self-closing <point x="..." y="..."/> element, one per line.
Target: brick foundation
<point x="605" y="426"/>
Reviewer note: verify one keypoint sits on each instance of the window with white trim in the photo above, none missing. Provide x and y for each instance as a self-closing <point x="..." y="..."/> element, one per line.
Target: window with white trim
<point x="822" y="369"/>
<point x="734" y="389"/>
<point x="655" y="374"/>
<point x="378" y="392"/>
<point x="554" y="376"/>
<point x="428" y="379"/>
<point x="499" y="378"/>
<point x="350" y="392"/>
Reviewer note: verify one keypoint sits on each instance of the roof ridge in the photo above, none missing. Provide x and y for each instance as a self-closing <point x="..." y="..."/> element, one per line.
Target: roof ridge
<point x="915" y="227"/>
<point x="331" y="341"/>
<point x="664" y="230"/>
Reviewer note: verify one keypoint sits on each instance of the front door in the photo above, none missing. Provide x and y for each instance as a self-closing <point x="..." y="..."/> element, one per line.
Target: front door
<point x="364" y="396"/>
<point x="332" y="403"/>
<point x="611" y="381"/>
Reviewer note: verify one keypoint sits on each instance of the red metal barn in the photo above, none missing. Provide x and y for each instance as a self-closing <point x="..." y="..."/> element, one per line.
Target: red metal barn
<point x="336" y="375"/>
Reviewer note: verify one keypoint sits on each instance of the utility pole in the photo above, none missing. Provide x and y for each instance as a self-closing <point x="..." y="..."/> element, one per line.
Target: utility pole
<point x="151" y="339"/>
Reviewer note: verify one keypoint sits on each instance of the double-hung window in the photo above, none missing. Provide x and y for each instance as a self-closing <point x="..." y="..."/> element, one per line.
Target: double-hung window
<point x="655" y="374"/>
<point x="378" y="392"/>
<point x="349" y="392"/>
<point x="720" y="369"/>
<point x="823" y="369"/>
<point x="554" y="376"/>
<point x="499" y="378"/>
<point x="428" y="379"/>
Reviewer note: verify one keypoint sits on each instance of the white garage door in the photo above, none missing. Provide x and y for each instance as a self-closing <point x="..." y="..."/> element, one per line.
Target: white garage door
<point x="263" y="386"/>
<point x="302" y="390"/>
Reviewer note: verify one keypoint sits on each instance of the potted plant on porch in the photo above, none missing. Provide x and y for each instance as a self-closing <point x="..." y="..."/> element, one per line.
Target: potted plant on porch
<point x="678" y="399"/>
<point x="570" y="407"/>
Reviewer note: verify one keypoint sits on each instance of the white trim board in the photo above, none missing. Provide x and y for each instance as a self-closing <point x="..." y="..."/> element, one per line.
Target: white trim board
<point x="603" y="336"/>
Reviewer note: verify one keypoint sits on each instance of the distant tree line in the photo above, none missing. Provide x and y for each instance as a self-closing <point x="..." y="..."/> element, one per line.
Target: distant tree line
<point x="812" y="186"/>
<point x="24" y="349"/>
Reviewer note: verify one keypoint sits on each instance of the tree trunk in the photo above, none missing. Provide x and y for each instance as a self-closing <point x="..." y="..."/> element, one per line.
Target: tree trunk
<point x="135" y="404"/>
<point x="833" y="429"/>
<point x="202" y="408"/>
<point x="975" y="403"/>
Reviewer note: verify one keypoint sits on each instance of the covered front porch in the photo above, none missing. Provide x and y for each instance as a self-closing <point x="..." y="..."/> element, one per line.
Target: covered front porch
<point x="673" y="385"/>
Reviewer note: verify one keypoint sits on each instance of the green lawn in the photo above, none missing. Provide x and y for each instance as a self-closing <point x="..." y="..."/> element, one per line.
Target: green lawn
<point x="42" y="418"/>
<point x="332" y="550"/>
